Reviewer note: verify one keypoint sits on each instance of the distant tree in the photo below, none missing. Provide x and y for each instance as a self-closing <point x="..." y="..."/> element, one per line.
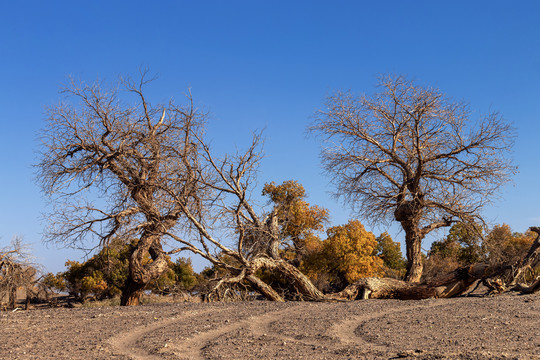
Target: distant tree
<point x="502" y="246"/>
<point x="411" y="154"/>
<point x="390" y="252"/>
<point x="185" y="276"/>
<point x="104" y="275"/>
<point x="461" y="247"/>
<point x="54" y="282"/>
<point x="347" y="255"/>
<point x="16" y="272"/>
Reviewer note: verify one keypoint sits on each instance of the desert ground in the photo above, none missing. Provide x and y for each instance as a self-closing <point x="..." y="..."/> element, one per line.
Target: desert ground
<point x="501" y="327"/>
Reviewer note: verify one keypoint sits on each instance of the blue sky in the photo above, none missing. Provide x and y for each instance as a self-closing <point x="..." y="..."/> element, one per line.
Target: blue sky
<point x="265" y="64"/>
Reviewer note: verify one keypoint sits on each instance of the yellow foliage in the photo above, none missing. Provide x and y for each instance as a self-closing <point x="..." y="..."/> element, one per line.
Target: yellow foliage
<point x="299" y="220"/>
<point x="94" y="284"/>
<point x="350" y="250"/>
<point x="505" y="247"/>
<point x="347" y="252"/>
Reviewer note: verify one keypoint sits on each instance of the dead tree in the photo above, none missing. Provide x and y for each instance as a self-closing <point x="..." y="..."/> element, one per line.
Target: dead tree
<point x="447" y="285"/>
<point x="16" y="272"/>
<point x="410" y="154"/>
<point x="511" y="277"/>
<point x="256" y="241"/>
<point x="110" y="168"/>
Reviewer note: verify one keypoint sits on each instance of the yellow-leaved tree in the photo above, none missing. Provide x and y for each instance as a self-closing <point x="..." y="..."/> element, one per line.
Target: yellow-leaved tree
<point x="298" y="220"/>
<point x="346" y="255"/>
<point x="502" y="246"/>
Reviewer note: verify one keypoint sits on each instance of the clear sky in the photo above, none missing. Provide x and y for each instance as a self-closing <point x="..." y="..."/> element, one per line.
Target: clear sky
<point x="265" y="64"/>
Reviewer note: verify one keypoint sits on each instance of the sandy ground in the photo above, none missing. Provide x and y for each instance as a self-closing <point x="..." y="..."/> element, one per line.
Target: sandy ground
<point x="502" y="327"/>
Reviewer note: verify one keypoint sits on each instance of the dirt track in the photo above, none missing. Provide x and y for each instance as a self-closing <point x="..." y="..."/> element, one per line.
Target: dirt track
<point x="465" y="328"/>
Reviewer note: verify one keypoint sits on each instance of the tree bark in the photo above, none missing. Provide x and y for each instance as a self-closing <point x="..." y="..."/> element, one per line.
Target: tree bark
<point x="524" y="289"/>
<point x="409" y="213"/>
<point x="264" y="289"/>
<point x="131" y="294"/>
<point x="449" y="285"/>
<point x="415" y="266"/>
<point x="141" y="274"/>
<point x="294" y="276"/>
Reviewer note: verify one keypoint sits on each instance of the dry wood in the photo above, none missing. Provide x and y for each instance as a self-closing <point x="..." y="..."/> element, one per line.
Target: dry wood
<point x="448" y="285"/>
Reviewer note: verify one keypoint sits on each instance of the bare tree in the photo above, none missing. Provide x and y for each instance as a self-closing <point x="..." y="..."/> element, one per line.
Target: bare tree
<point x="16" y="271"/>
<point x="114" y="169"/>
<point x="411" y="154"/>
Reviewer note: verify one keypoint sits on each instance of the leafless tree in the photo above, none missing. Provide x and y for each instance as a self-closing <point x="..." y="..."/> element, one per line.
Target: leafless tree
<point x="16" y="271"/>
<point x="114" y="169"/>
<point x="411" y="154"/>
<point x="111" y="167"/>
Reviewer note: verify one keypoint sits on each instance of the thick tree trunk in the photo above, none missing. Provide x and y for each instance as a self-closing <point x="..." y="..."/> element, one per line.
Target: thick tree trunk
<point x="264" y="289"/>
<point x="408" y="213"/>
<point x="131" y="294"/>
<point x="415" y="266"/>
<point x="140" y="274"/>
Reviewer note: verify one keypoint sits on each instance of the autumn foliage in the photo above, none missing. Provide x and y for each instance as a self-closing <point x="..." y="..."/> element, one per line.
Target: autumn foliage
<point x="299" y="221"/>
<point x="346" y="255"/>
<point x="465" y="246"/>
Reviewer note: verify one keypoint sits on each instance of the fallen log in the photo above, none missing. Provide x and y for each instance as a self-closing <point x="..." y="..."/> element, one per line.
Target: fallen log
<point x="449" y="285"/>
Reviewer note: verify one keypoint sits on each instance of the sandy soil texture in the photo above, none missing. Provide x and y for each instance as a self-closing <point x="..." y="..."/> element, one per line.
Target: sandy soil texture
<point x="503" y="327"/>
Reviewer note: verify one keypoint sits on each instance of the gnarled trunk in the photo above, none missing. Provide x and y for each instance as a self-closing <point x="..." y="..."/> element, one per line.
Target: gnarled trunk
<point x="408" y="214"/>
<point x="294" y="276"/>
<point x="132" y="292"/>
<point x="141" y="274"/>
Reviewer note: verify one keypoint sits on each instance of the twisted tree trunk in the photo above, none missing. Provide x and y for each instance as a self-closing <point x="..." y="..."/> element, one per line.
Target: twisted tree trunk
<point x="140" y="274"/>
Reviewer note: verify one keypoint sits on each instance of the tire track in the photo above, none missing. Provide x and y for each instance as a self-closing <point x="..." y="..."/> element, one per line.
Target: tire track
<point x="258" y="327"/>
<point x="125" y="343"/>
<point x="191" y="348"/>
<point x="344" y="331"/>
